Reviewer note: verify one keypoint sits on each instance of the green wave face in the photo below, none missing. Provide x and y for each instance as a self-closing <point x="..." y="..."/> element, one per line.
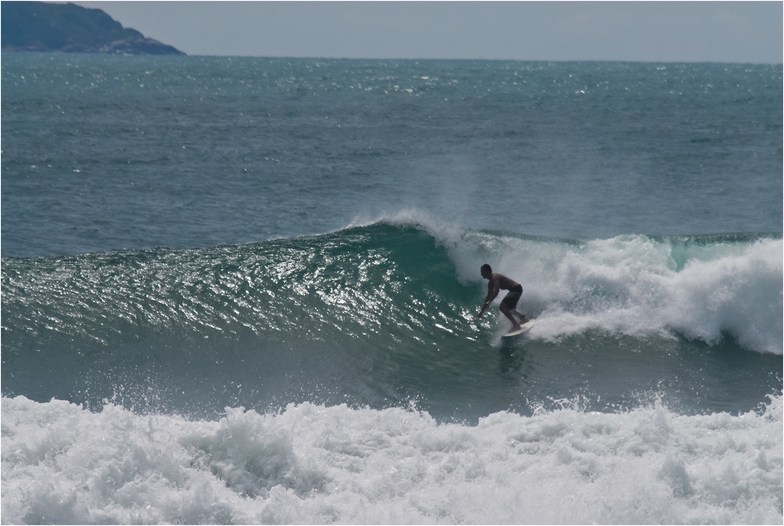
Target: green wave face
<point x="306" y="306"/>
<point x="384" y="315"/>
<point x="370" y="280"/>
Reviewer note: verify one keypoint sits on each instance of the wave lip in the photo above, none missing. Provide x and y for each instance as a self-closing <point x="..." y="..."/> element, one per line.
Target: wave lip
<point x="739" y="293"/>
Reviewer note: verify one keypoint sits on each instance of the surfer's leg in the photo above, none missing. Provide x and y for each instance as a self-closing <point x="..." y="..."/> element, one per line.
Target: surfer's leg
<point x="523" y="318"/>
<point x="508" y="313"/>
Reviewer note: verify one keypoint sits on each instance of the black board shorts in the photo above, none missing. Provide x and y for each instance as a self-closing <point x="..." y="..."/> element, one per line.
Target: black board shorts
<point x="511" y="299"/>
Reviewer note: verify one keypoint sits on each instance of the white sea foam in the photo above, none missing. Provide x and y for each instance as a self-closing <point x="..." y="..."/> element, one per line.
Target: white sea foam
<point x="316" y="464"/>
<point x="633" y="285"/>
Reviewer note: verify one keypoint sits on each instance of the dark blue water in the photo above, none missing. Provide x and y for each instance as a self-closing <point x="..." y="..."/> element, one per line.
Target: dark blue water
<point x="100" y="154"/>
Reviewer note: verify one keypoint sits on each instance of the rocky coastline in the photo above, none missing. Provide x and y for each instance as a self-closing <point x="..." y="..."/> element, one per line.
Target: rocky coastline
<point x="69" y="28"/>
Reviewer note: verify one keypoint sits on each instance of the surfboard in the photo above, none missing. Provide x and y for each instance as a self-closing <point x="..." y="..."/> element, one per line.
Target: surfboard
<point x="523" y="328"/>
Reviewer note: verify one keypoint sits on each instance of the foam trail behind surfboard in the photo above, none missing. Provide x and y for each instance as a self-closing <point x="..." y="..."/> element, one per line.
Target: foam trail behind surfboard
<point x="523" y="328"/>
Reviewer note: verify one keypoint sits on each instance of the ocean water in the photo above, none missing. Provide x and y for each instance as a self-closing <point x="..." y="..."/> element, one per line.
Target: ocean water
<point x="245" y="291"/>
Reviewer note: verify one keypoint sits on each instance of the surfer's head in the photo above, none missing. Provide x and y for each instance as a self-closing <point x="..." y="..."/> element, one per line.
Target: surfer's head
<point x="487" y="272"/>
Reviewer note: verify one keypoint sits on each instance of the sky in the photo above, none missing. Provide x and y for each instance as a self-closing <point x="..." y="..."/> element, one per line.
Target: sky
<point x="746" y="32"/>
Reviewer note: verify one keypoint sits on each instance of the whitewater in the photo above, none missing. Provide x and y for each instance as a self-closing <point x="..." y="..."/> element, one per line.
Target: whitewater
<point x="314" y="464"/>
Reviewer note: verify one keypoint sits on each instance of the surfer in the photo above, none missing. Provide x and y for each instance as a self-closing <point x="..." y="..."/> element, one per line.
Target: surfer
<point x="509" y="303"/>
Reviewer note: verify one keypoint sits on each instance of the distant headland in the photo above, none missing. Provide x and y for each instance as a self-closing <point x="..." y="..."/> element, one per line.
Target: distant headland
<point x="69" y="28"/>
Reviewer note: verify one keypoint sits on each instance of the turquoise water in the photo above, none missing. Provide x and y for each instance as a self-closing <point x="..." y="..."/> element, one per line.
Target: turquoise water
<point x="245" y="290"/>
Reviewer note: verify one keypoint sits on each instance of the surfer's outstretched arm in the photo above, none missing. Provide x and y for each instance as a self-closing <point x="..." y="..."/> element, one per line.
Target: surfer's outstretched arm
<point x="492" y="292"/>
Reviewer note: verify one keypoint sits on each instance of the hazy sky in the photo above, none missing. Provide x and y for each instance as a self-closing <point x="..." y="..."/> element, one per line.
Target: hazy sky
<point x="630" y="31"/>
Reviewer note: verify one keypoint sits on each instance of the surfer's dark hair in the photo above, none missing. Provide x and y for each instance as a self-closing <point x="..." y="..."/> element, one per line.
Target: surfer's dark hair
<point x="486" y="267"/>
